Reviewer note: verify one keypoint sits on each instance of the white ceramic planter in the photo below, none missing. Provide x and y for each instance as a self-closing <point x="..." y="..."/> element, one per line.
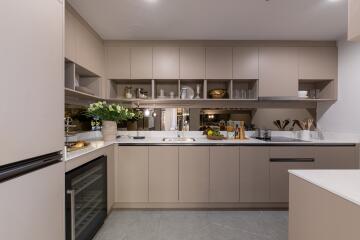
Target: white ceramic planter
<point x="109" y="130"/>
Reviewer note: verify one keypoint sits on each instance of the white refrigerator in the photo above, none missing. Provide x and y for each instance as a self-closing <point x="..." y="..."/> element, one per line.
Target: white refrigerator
<point x="32" y="185"/>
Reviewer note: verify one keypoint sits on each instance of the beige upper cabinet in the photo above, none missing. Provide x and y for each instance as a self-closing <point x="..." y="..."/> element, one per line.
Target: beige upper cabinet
<point x="141" y="63"/>
<point x="354" y="20"/>
<point x="166" y="63"/>
<point x="163" y="174"/>
<point x="194" y="174"/>
<point x="117" y="62"/>
<point x="254" y="174"/>
<point x="278" y="72"/>
<point x="336" y="158"/>
<point x="224" y="174"/>
<point x="318" y="63"/>
<point x="219" y="63"/>
<point x="192" y="63"/>
<point x="82" y="45"/>
<point x="70" y="37"/>
<point x="246" y="63"/>
<point x="131" y="174"/>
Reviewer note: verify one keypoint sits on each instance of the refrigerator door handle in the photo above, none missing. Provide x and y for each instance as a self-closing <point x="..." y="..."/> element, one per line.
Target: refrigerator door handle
<point x="72" y="212"/>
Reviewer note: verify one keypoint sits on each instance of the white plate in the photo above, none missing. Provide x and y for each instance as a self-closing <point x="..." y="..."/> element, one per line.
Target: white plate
<point x="190" y="92"/>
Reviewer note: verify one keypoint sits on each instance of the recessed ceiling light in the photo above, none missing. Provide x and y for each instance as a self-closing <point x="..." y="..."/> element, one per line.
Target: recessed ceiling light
<point x="151" y="1"/>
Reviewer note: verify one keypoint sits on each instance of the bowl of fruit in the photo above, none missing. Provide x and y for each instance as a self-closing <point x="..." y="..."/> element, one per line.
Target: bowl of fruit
<point x="214" y="135"/>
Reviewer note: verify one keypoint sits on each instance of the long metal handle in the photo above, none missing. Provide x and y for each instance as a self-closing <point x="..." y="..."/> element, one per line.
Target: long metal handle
<point x="292" y="160"/>
<point x="72" y="213"/>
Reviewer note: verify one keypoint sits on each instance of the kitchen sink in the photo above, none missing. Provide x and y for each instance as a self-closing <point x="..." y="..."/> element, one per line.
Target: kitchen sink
<point x="179" y="139"/>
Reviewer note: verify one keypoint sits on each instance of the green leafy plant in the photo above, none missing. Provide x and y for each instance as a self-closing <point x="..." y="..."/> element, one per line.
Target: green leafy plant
<point x="111" y="112"/>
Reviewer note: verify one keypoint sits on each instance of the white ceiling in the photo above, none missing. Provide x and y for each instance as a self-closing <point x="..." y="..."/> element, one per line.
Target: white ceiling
<point x="215" y="19"/>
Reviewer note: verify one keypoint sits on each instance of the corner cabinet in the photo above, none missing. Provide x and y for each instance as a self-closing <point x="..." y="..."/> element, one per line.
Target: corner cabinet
<point x="278" y="72"/>
<point x="318" y="63"/>
<point x="353" y="20"/>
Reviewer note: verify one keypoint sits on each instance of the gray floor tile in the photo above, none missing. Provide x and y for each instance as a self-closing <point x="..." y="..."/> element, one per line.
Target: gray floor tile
<point x="195" y="225"/>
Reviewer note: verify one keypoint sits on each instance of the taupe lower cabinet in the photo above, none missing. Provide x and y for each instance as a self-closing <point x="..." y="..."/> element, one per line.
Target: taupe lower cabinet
<point x="131" y="174"/>
<point x="224" y="174"/>
<point x="254" y="174"/>
<point x="163" y="174"/>
<point x="218" y="174"/>
<point x="194" y="174"/>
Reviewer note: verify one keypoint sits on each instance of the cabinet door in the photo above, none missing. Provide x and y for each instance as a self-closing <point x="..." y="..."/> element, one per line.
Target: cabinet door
<point x="278" y="72"/>
<point x="70" y="37"/>
<point x="219" y="63"/>
<point x="254" y="174"/>
<point x="194" y="174"/>
<point x="131" y="174"/>
<point x="224" y="174"/>
<point x="246" y="63"/>
<point x="118" y="63"/>
<point x="163" y="174"/>
<point x="192" y="63"/>
<point x="336" y="157"/>
<point x="353" y="20"/>
<point x="141" y="63"/>
<point x="32" y="81"/>
<point x="318" y="63"/>
<point x="166" y="62"/>
<point x="282" y="159"/>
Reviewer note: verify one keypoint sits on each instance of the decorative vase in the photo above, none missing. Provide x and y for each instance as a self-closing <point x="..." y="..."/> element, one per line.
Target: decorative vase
<point x="109" y="130"/>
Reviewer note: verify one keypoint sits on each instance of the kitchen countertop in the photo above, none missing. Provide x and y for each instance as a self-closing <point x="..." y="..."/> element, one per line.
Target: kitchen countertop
<point x="155" y="138"/>
<point x="343" y="183"/>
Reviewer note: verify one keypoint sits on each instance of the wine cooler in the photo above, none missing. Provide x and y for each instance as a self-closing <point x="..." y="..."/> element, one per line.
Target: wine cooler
<point x="86" y="199"/>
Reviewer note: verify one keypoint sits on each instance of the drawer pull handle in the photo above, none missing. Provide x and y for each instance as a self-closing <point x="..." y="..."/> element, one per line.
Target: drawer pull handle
<point x="292" y="160"/>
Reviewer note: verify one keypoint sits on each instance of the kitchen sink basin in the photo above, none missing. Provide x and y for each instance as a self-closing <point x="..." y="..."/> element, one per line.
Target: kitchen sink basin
<point x="179" y="139"/>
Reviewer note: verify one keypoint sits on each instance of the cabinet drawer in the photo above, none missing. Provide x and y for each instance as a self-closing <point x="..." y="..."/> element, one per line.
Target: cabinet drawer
<point x="295" y="152"/>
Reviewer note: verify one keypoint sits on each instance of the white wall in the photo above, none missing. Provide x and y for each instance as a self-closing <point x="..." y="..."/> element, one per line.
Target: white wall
<point x="344" y="115"/>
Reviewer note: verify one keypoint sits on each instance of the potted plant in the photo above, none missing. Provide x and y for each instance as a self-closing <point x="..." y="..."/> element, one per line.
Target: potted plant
<point x="110" y="115"/>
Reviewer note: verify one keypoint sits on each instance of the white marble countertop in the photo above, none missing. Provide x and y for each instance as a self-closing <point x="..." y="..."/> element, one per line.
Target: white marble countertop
<point x="94" y="145"/>
<point x="344" y="183"/>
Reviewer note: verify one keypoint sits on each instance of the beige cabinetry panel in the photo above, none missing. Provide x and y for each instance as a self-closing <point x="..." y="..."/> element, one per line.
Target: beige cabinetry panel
<point x="278" y="71"/>
<point x="117" y="62"/>
<point x="219" y="63"/>
<point x="354" y="20"/>
<point x="131" y="174"/>
<point x="70" y="37"/>
<point x="318" y="63"/>
<point x="192" y="63"/>
<point x="163" y="174"/>
<point x="282" y="159"/>
<point x="82" y="45"/>
<point x="336" y="157"/>
<point x="194" y="174"/>
<point x="166" y="62"/>
<point x="33" y="78"/>
<point x="224" y="174"/>
<point x="141" y="63"/>
<point x="254" y="174"/>
<point x="246" y="63"/>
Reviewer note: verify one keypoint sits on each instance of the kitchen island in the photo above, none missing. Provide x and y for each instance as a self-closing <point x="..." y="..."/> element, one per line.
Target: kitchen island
<point x="324" y="204"/>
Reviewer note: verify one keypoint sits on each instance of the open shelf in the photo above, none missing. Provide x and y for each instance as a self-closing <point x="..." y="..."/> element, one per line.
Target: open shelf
<point x="319" y="89"/>
<point x="167" y="86"/>
<point x="244" y="89"/>
<point x="81" y="80"/>
<point x="118" y="88"/>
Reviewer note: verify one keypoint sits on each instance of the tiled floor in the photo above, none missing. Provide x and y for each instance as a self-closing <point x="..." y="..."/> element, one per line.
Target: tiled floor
<point x="195" y="225"/>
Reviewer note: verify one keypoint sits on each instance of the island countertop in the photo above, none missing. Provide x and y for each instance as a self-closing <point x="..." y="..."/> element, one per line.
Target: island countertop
<point x="343" y="183"/>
